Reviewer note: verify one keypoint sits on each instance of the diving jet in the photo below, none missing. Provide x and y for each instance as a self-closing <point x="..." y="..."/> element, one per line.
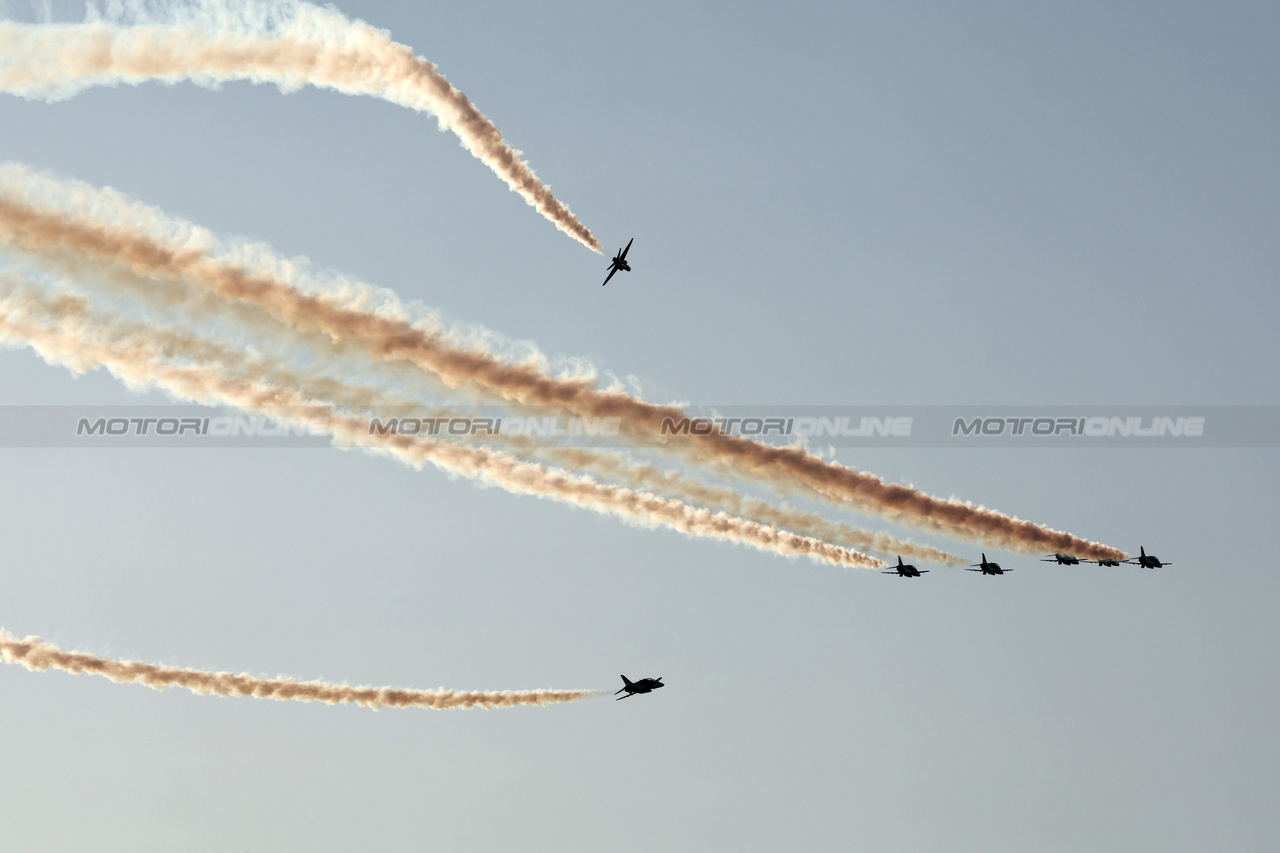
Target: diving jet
<point x="907" y="571"/>
<point x="644" y="685"/>
<point x="1148" y="561"/>
<point x="987" y="568"/>
<point x="619" y="262"/>
<point x="1106" y="561"/>
<point x="1062" y="560"/>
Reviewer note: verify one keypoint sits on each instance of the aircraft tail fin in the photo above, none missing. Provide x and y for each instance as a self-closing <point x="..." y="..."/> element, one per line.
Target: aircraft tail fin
<point x="626" y="681"/>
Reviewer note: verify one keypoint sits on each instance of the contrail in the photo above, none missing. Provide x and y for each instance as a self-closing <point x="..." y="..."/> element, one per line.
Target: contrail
<point x="290" y="44"/>
<point x="135" y="360"/>
<point x="392" y="338"/>
<point x="38" y="656"/>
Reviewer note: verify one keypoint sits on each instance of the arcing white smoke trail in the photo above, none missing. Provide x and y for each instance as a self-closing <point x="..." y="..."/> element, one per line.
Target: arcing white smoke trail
<point x="285" y="42"/>
<point x="37" y="655"/>
<point x="29" y="225"/>
<point x="140" y="362"/>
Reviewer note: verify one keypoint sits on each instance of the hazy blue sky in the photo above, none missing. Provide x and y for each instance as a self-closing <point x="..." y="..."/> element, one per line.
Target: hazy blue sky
<point x="832" y="204"/>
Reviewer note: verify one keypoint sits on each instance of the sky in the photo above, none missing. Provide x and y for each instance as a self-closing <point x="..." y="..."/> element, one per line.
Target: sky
<point x="878" y="204"/>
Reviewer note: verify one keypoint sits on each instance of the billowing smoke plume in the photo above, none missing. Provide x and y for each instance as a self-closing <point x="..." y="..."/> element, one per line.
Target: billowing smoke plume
<point x="290" y="44"/>
<point x="37" y="655"/>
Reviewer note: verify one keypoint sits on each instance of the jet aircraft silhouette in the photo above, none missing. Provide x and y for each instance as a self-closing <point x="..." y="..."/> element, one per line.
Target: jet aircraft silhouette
<point x="1106" y="562"/>
<point x="644" y="685"/>
<point x="987" y="568"/>
<point x="1147" y="561"/>
<point x="619" y="262"/>
<point x="907" y="571"/>
<point x="1062" y="559"/>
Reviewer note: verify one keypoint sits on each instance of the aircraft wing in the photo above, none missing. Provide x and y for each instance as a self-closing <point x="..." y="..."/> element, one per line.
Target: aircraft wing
<point x="609" y="276"/>
<point x="628" y="249"/>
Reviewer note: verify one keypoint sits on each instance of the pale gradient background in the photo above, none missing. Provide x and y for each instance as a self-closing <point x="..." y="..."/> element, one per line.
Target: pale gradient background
<point x="911" y="204"/>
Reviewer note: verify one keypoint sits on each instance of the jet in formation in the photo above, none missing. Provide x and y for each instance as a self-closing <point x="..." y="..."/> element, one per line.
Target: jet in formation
<point x="644" y="685"/>
<point x="987" y="568"/>
<point x="1062" y="559"/>
<point x="906" y="571"/>
<point x="619" y="262"/>
<point x="1147" y="561"/>
<point x="1106" y="562"/>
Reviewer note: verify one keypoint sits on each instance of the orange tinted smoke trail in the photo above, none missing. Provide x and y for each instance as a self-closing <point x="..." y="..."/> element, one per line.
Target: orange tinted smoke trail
<point x="37" y="655"/>
<point x="138" y="360"/>
<point x="784" y="468"/>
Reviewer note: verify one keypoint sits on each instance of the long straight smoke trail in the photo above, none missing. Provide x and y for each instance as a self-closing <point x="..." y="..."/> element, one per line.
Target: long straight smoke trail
<point x="137" y="361"/>
<point x="287" y="43"/>
<point x="30" y="228"/>
<point x="174" y="344"/>
<point x="37" y="655"/>
<point x="636" y="475"/>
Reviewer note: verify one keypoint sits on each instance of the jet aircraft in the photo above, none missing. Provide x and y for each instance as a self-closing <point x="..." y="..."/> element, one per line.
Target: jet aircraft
<point x="644" y="685"/>
<point x="1148" y="561"/>
<point x="907" y="571"/>
<point x="1106" y="562"/>
<point x="987" y="568"/>
<point x="619" y="262"/>
<point x="1062" y="559"/>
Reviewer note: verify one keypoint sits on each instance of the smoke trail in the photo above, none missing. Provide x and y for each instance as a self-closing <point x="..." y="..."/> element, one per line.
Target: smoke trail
<point x="287" y="43"/>
<point x="392" y="338"/>
<point x="38" y="656"/>
<point x="135" y="360"/>
<point x="617" y="467"/>
<point x="690" y="490"/>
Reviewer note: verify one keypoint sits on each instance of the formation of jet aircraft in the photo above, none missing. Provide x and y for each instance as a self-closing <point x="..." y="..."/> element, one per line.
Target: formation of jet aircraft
<point x="902" y="570"/>
<point x="644" y="685"/>
<point x="619" y="262"/>
<point x="986" y="567"/>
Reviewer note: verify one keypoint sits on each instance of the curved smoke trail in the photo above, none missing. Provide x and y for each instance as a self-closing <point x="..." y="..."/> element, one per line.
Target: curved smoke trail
<point x="290" y="44"/>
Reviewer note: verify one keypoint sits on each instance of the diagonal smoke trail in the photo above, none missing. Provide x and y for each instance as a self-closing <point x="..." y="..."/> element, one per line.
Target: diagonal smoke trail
<point x="287" y="43"/>
<point x="620" y="466"/>
<point x="38" y="656"/>
<point x="137" y="361"/>
<point x="174" y="344"/>
<point x="30" y="227"/>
